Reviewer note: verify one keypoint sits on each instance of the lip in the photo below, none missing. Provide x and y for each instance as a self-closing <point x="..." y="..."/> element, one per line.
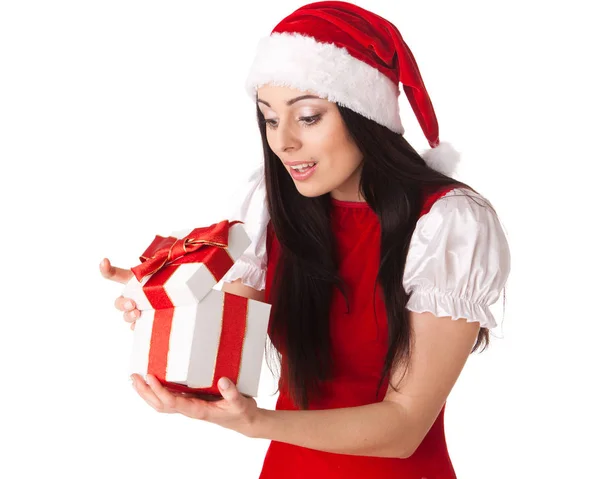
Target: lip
<point x="294" y="163"/>
<point x="303" y="176"/>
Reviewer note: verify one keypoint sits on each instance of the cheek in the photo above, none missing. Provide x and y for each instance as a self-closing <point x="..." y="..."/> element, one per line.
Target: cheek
<point x="344" y="155"/>
<point x="329" y="144"/>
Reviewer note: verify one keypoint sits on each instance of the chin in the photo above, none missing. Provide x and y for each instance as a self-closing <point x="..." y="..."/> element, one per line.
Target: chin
<point x="310" y="191"/>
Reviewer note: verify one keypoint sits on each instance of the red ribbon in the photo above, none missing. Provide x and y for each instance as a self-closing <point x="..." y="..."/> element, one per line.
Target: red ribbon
<point x="170" y="250"/>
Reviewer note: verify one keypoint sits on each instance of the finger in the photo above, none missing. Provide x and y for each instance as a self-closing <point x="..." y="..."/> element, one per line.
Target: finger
<point x="128" y="306"/>
<point x="125" y="304"/>
<point x="146" y="392"/>
<point x="113" y="273"/>
<point x="204" y="397"/>
<point x="183" y="405"/>
<point x="132" y="327"/>
<point x="230" y="392"/>
<point x="131" y="316"/>
<point x="179" y="393"/>
<point x="187" y="394"/>
<point x="166" y="397"/>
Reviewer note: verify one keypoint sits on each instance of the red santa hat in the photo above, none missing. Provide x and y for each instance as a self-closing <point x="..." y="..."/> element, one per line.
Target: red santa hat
<point x="355" y="58"/>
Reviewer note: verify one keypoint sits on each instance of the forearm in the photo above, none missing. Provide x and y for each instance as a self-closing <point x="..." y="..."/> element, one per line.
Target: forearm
<point x="379" y="429"/>
<point x="240" y="289"/>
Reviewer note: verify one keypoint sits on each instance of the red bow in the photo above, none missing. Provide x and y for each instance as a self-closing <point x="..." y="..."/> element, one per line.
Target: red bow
<point x="163" y="251"/>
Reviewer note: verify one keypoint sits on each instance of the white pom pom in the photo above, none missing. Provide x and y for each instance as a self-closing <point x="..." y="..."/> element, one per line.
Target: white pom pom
<point x="442" y="158"/>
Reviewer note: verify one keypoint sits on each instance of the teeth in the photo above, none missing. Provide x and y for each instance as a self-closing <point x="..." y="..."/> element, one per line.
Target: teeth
<point x="302" y="166"/>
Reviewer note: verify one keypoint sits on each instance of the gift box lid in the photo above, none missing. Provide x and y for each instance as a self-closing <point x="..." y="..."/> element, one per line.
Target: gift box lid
<point x="183" y="284"/>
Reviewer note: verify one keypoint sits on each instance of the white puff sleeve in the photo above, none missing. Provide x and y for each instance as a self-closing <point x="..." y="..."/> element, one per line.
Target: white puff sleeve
<point x="251" y="208"/>
<point x="458" y="260"/>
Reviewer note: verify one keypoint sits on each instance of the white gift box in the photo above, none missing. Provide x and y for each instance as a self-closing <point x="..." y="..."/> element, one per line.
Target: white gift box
<point x="194" y="343"/>
<point x="189" y="331"/>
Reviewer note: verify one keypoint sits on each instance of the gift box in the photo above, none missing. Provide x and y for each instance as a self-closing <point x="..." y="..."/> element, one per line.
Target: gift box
<point x="188" y="334"/>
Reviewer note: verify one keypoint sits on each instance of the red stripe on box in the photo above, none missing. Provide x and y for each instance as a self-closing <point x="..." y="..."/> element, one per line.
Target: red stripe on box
<point x="154" y="289"/>
<point x="161" y="326"/>
<point x="159" y="342"/>
<point x="233" y="333"/>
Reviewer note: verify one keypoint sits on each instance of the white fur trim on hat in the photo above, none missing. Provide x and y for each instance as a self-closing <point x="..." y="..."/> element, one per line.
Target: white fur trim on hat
<point x="300" y="62"/>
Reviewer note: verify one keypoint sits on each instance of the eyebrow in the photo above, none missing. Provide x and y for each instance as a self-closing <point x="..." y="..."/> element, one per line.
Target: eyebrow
<point x="292" y="101"/>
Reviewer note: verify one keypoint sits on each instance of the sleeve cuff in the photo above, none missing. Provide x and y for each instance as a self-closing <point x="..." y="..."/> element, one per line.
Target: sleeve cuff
<point x="251" y="275"/>
<point x="443" y="304"/>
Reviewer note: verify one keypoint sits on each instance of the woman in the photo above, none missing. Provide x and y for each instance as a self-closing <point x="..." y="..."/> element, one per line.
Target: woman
<point x="380" y="267"/>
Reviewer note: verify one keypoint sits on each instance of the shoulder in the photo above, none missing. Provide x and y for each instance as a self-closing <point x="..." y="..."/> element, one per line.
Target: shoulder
<point x="459" y="210"/>
<point x="459" y="259"/>
<point x="454" y="197"/>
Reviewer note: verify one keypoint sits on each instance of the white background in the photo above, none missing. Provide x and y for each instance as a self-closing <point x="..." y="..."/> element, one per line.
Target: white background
<point x="120" y="120"/>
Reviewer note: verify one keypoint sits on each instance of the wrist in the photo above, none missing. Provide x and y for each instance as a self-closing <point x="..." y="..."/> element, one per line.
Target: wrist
<point x="256" y="423"/>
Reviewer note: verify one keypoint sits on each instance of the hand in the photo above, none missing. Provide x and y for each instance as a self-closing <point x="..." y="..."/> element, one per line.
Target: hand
<point x="127" y="305"/>
<point x="235" y="411"/>
<point x="120" y="275"/>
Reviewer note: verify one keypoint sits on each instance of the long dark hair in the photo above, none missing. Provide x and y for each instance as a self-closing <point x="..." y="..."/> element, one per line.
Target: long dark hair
<point x="392" y="180"/>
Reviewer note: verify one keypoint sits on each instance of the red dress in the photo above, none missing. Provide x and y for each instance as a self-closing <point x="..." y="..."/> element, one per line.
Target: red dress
<point x="357" y="234"/>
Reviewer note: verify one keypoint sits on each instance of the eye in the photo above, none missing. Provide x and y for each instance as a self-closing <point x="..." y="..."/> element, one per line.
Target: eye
<point x="307" y="120"/>
<point x="312" y="120"/>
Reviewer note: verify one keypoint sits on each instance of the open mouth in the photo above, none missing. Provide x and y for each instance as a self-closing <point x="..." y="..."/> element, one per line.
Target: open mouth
<point x="304" y="168"/>
<point x="303" y="172"/>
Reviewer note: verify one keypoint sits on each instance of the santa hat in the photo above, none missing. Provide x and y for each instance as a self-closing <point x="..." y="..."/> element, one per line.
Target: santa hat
<point x="355" y="58"/>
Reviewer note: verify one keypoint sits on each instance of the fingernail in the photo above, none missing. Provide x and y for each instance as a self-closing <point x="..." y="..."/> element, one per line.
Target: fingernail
<point x="224" y="383"/>
<point x="129" y="305"/>
<point x="132" y="314"/>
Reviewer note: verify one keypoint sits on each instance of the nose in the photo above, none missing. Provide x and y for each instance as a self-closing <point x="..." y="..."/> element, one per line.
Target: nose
<point x="285" y="139"/>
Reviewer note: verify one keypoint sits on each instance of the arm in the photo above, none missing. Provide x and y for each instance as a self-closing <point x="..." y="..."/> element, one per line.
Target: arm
<point x="395" y="426"/>
<point x="333" y="430"/>
<point x="240" y="289"/>
<point x="370" y="430"/>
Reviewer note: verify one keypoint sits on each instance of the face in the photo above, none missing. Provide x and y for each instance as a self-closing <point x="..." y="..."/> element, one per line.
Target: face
<point x="311" y="130"/>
